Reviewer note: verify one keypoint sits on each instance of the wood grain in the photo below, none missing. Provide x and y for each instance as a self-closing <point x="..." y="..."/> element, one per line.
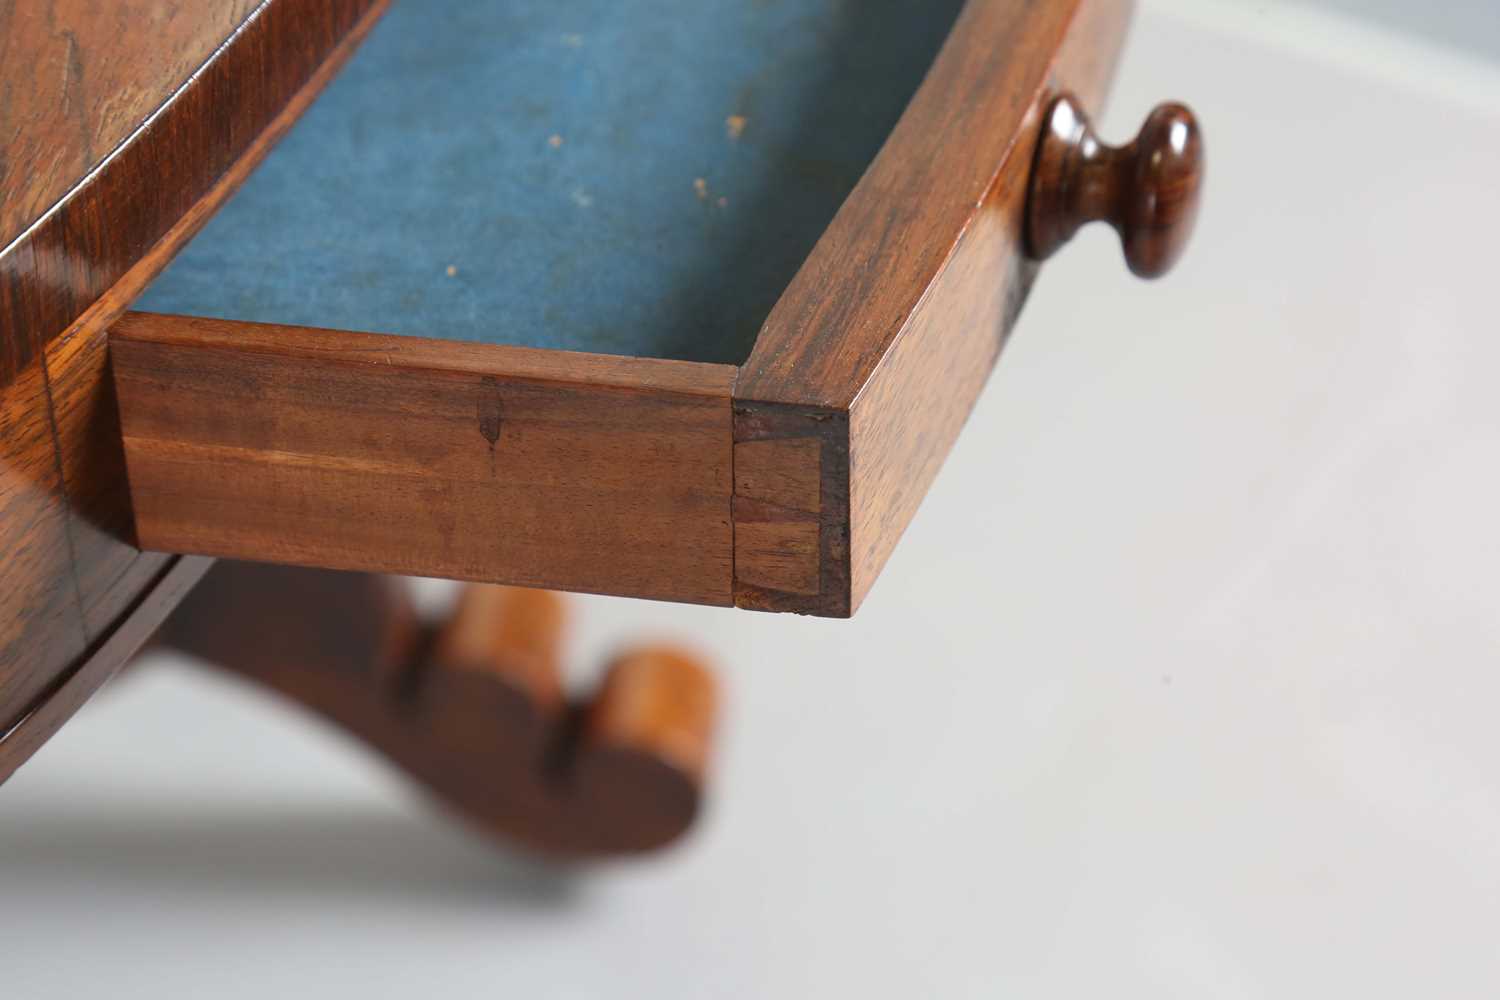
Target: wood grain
<point x="398" y="454"/>
<point x="359" y="451"/>
<point x="778" y="485"/>
<point x="110" y="570"/>
<point x="74" y="249"/>
<point x="41" y="628"/>
<point x="109" y="567"/>
<point x="77" y="86"/>
<point x="791" y="510"/>
<point x="910" y="412"/>
<point x="121" y="129"/>
<point x="884" y="339"/>
<point x="974" y="118"/>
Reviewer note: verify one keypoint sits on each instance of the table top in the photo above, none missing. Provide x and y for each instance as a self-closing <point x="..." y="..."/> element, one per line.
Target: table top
<point x="77" y="87"/>
<point x="630" y="179"/>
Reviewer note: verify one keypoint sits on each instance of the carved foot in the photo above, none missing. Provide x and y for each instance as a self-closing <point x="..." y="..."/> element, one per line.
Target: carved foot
<point x="473" y="710"/>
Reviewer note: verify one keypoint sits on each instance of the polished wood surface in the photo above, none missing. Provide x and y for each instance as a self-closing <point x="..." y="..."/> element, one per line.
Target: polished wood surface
<point x="1148" y="190"/>
<point x="358" y="451"/>
<point x="79" y="78"/>
<point x="973" y="122"/>
<point x="41" y="627"/>
<point x="883" y="341"/>
<point x="109" y="570"/>
<point x="120" y="132"/>
<point x="473" y="710"/>
<point x="430" y="458"/>
<point x="61" y="255"/>
<point x="791" y="510"/>
<point x="778" y="487"/>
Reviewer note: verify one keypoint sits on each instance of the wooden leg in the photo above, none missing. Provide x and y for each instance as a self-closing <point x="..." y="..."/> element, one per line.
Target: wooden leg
<point x="474" y="709"/>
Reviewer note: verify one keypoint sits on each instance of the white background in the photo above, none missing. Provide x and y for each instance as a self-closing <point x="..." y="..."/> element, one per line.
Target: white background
<point x="1183" y="682"/>
<point x="1470" y="24"/>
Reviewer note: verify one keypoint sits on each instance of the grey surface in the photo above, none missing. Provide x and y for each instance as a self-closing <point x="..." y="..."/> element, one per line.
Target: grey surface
<point x="1182" y="683"/>
<point x="1470" y="25"/>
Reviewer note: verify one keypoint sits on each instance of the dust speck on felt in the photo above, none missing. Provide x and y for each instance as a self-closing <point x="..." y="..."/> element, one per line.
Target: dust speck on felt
<point x="723" y="202"/>
<point x="700" y="186"/>
<point x="573" y="41"/>
<point x="734" y="125"/>
<point x="452" y="270"/>
<point x="583" y="199"/>
<point x="555" y="141"/>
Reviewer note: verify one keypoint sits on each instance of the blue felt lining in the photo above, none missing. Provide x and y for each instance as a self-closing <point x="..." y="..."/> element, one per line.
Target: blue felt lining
<point x="637" y="177"/>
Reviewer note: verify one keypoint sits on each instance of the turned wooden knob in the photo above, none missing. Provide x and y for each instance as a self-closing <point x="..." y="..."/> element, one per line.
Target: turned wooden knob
<point x="1147" y="190"/>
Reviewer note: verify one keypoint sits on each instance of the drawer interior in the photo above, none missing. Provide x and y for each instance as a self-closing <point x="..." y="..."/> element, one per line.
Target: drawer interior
<point x="637" y="179"/>
<point x="672" y="300"/>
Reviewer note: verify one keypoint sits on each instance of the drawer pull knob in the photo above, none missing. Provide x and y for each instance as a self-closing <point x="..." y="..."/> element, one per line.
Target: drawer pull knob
<point x="1148" y="190"/>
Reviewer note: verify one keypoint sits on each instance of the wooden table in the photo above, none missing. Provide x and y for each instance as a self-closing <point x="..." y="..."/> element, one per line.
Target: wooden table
<point x="679" y="304"/>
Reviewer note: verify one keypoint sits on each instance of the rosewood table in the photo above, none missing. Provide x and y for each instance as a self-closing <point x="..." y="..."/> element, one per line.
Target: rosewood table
<point x="664" y="300"/>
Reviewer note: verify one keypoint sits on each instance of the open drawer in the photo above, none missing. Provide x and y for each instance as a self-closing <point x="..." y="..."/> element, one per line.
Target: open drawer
<point x="668" y="300"/>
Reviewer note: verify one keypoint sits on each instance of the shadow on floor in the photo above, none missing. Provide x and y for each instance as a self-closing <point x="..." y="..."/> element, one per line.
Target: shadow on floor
<point x="332" y="852"/>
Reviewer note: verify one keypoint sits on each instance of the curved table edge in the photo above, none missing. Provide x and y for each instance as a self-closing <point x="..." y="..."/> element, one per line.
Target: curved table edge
<point x="64" y="289"/>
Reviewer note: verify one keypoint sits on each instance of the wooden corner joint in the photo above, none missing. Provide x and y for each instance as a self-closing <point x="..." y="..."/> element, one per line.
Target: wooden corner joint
<point x="791" y="509"/>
